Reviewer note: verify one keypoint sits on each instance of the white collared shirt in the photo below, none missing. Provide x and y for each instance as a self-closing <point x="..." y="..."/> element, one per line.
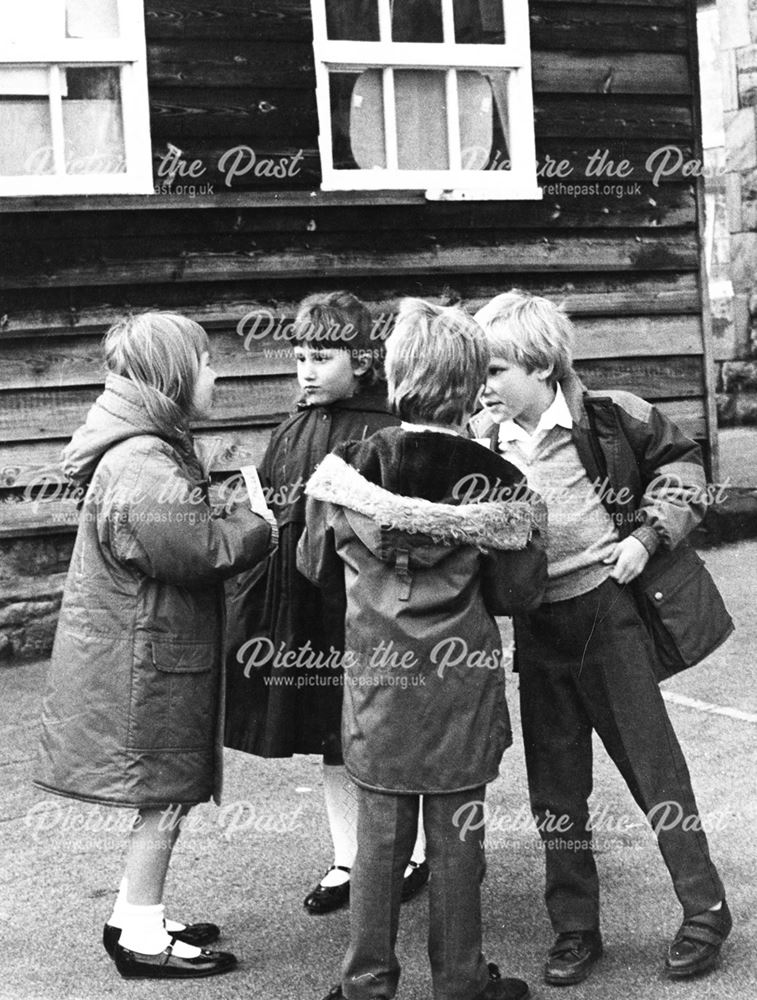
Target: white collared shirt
<point x="557" y="414"/>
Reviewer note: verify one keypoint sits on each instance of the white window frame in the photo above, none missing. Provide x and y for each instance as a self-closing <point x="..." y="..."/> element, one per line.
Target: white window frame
<point x="519" y="182"/>
<point x="128" y="54"/>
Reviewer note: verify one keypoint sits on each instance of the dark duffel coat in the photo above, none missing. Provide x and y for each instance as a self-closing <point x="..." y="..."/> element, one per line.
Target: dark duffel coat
<point x="134" y="702"/>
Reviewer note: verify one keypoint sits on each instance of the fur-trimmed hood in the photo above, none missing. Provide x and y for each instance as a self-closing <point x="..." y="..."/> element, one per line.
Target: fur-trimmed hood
<point x="375" y="513"/>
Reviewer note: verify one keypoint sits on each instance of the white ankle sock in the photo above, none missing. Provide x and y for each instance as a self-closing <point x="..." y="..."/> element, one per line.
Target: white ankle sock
<point x="144" y="931"/>
<point x="116" y="920"/>
<point x="142" y="928"/>
<point x="341" y="809"/>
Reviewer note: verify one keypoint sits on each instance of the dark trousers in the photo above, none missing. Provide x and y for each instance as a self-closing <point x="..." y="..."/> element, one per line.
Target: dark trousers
<point x="587" y="664"/>
<point x="386" y="830"/>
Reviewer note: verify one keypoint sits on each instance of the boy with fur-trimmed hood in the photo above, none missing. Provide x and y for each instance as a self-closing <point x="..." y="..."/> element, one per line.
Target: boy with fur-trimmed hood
<point x="425" y="720"/>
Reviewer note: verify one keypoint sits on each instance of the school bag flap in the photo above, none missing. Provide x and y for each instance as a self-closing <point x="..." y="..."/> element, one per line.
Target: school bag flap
<point x="682" y="609"/>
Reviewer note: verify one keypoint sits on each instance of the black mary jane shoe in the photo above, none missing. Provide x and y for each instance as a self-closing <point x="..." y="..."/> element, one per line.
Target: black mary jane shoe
<point x="196" y="934"/>
<point x="414" y="882"/>
<point x="696" y="947"/>
<point x="502" y="987"/>
<point x="166" y="965"/>
<point x="325" y="898"/>
<point x="572" y="957"/>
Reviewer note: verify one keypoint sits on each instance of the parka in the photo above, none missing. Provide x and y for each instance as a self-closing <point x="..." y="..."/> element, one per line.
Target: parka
<point x="134" y="700"/>
<point x="273" y="710"/>
<point x="650" y="478"/>
<point x="422" y="574"/>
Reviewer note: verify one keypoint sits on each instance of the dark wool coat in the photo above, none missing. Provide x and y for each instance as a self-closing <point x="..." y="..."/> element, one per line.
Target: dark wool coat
<point x="274" y="708"/>
<point x="423" y="574"/>
<point x="134" y="697"/>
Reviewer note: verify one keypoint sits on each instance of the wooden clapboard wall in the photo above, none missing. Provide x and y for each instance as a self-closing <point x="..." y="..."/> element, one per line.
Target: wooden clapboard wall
<point x="609" y="75"/>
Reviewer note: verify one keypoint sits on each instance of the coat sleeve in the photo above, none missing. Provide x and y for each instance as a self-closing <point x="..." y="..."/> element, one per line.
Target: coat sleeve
<point x="317" y="558"/>
<point x="158" y="520"/>
<point x="675" y="489"/>
<point x="514" y="580"/>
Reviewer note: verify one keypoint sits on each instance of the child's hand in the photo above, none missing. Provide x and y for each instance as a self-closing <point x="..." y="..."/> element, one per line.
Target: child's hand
<point x="630" y="558"/>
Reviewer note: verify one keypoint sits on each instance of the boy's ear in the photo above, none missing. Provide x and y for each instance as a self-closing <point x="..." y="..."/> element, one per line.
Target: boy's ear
<point x="544" y="374"/>
<point x="361" y="362"/>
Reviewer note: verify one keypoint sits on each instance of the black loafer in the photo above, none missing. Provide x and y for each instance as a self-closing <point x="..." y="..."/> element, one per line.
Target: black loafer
<point x="502" y="987"/>
<point x="414" y="882"/>
<point x="166" y="965"/>
<point x="325" y="898"/>
<point x="571" y="957"/>
<point x="696" y="947"/>
<point x="196" y="934"/>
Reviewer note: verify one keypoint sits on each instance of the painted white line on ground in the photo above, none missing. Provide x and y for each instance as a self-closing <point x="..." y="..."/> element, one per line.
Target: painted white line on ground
<point x="706" y="706"/>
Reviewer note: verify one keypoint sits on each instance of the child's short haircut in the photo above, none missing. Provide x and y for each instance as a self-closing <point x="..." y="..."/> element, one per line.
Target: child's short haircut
<point x="530" y="331"/>
<point x="436" y="363"/>
<point x="160" y="352"/>
<point x="339" y="321"/>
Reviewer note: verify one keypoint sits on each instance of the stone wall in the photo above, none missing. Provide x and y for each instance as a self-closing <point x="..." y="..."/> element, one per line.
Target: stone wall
<point x="736" y="351"/>
<point x="32" y="574"/>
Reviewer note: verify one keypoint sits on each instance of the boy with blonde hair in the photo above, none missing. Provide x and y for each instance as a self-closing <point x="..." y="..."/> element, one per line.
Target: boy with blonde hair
<point x="424" y="721"/>
<point x="621" y="483"/>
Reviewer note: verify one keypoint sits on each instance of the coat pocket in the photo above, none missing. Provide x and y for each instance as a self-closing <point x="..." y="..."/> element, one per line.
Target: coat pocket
<point x="174" y="696"/>
<point x="682" y="609"/>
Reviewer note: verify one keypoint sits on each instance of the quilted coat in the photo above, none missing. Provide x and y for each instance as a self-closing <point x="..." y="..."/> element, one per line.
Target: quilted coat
<point x="423" y="574"/>
<point x="134" y="702"/>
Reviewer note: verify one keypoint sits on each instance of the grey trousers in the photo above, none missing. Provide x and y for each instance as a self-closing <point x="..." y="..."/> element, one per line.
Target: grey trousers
<point x="586" y="664"/>
<point x="386" y="832"/>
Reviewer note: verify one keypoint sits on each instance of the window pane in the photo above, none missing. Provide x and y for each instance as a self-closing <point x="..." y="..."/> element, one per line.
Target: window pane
<point x="32" y="20"/>
<point x="92" y="18"/>
<point x="353" y="20"/>
<point x="421" y="115"/>
<point x="417" y="21"/>
<point x="92" y="122"/>
<point x="353" y="144"/>
<point x="421" y="119"/>
<point x="25" y="81"/>
<point x="482" y="101"/>
<point x="479" y="22"/>
<point x="27" y="137"/>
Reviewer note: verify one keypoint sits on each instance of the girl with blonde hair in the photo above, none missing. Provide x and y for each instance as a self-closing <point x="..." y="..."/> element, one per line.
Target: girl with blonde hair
<point x="134" y="700"/>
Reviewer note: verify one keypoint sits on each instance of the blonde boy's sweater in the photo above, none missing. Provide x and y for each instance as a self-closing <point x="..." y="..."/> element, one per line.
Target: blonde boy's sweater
<point x="581" y="533"/>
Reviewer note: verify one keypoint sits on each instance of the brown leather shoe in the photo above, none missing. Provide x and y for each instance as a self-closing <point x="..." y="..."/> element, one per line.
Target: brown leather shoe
<point x="696" y="946"/>
<point x="571" y="957"/>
